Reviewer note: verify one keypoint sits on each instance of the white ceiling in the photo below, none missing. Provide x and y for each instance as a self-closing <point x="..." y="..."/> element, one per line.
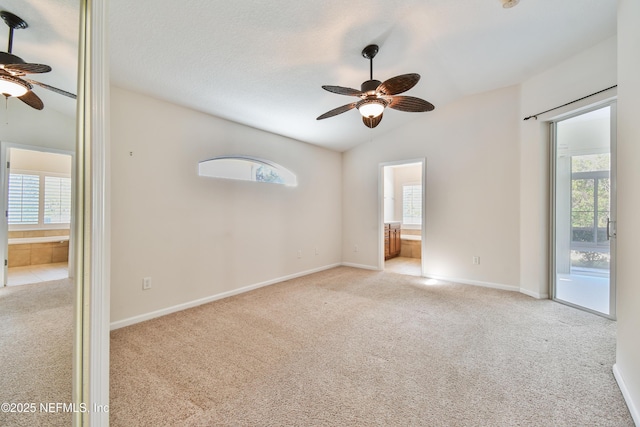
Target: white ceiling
<point x="263" y="63"/>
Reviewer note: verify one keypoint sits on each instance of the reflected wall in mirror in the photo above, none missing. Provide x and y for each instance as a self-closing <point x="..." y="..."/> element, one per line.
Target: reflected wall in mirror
<point x="37" y="184"/>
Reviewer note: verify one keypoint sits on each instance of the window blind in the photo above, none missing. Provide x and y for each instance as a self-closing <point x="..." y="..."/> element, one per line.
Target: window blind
<point x="24" y="199"/>
<point x="412" y="204"/>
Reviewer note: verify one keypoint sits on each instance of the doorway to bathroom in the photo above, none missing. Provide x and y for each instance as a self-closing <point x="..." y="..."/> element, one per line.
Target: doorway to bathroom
<point x="37" y="191"/>
<point x="402" y="213"/>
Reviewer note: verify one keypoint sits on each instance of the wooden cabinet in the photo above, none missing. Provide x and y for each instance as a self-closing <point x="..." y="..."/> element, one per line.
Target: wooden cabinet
<point x="391" y="240"/>
<point x="387" y="248"/>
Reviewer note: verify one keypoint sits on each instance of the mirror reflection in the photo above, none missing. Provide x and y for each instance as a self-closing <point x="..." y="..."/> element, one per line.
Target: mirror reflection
<point x="38" y="78"/>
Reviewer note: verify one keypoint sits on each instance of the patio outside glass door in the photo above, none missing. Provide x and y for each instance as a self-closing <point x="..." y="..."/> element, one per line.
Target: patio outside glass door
<point x="583" y="203"/>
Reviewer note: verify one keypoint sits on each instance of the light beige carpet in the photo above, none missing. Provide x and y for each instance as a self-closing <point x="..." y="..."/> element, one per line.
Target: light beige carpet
<point x="349" y="347"/>
<point x="36" y="348"/>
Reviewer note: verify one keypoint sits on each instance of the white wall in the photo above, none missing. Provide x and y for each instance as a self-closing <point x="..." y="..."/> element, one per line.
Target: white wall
<point x="40" y="161"/>
<point x="585" y="73"/>
<point x="389" y="193"/>
<point x="198" y="237"/>
<point x="472" y="161"/>
<point x="21" y="124"/>
<point x="627" y="366"/>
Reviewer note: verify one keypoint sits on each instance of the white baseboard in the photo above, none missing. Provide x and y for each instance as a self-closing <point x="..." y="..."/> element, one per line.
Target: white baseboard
<point x="464" y="282"/>
<point x="447" y="279"/>
<point x="362" y="266"/>
<point x="627" y="396"/>
<point x="474" y="282"/>
<point x="534" y="294"/>
<point x="163" y="312"/>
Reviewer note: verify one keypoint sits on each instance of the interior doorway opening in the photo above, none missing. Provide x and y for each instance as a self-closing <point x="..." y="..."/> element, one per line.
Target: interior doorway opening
<point x="403" y="212"/>
<point x="37" y="196"/>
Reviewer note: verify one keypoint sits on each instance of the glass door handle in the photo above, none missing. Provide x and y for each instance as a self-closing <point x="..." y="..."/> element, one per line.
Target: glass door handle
<point x="609" y="233"/>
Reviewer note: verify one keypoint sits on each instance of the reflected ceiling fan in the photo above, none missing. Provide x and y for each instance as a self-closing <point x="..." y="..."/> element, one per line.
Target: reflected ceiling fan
<point x="13" y="70"/>
<point x="375" y="96"/>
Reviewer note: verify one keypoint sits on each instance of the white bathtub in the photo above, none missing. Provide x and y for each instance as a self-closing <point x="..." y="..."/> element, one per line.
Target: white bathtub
<point x="410" y="237"/>
<point x="410" y="246"/>
<point x="44" y="239"/>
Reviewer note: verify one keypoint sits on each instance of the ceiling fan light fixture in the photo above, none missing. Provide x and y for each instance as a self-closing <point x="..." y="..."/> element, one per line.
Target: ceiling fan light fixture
<point x="371" y="107"/>
<point x="11" y="86"/>
<point x="509" y="3"/>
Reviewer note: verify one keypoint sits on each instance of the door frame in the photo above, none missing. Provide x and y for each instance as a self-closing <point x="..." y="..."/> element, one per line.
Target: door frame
<point x="423" y="179"/>
<point x="4" y="193"/>
<point x="612" y="103"/>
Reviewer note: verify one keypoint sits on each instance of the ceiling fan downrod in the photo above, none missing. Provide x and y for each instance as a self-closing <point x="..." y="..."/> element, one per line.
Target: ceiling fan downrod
<point x="13" y="22"/>
<point x="370" y="52"/>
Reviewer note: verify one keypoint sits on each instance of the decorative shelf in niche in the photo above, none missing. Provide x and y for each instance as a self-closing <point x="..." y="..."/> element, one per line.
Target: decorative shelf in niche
<point x="245" y="168"/>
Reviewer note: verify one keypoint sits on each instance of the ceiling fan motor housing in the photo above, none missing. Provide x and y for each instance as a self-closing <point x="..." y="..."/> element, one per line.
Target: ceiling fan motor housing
<point x="370" y="85"/>
<point x="8" y="58"/>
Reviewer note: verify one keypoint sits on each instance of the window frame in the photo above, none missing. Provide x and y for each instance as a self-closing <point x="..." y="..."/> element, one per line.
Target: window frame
<point x="409" y="225"/>
<point x="41" y="225"/>
<point x="286" y="176"/>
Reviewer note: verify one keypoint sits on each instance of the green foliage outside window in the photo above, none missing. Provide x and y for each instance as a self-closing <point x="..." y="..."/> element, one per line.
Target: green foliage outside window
<point x="268" y="174"/>
<point x="590" y="200"/>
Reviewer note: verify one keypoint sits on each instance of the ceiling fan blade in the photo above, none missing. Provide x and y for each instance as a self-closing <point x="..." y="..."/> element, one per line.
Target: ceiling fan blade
<point x="372" y="122"/>
<point x="410" y="104"/>
<point x="28" y="68"/>
<point x="342" y="90"/>
<point x="51" y="88"/>
<point x="337" y="111"/>
<point x="32" y="100"/>
<point x="398" y="84"/>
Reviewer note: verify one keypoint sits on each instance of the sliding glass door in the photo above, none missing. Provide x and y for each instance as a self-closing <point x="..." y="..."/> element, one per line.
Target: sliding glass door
<point x="583" y="219"/>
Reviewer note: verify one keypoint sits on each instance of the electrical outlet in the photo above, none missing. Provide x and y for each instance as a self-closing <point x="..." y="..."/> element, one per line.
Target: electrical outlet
<point x="299" y="253"/>
<point x="355" y="248"/>
<point x="476" y="260"/>
<point x="146" y="283"/>
<point x="317" y="251"/>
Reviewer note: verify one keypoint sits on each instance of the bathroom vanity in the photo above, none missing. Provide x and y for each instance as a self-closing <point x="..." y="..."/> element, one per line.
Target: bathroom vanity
<point x="392" y="243"/>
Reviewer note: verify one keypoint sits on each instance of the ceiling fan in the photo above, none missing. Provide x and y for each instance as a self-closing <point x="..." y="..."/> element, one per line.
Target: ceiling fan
<point x="13" y="70"/>
<point x="375" y="96"/>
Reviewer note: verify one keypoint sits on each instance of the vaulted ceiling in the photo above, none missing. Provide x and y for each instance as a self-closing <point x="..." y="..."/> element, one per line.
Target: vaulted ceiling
<point x="262" y="64"/>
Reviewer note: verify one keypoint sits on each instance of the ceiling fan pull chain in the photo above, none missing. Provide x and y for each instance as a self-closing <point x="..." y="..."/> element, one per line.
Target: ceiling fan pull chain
<point x="6" y="109"/>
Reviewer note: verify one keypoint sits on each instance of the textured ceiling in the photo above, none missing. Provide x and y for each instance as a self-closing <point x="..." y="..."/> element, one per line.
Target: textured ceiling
<point x="52" y="39"/>
<point x="263" y="63"/>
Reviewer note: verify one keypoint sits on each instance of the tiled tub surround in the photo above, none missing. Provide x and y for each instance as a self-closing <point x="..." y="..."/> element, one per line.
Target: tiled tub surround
<point x="34" y="247"/>
<point x="411" y="243"/>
